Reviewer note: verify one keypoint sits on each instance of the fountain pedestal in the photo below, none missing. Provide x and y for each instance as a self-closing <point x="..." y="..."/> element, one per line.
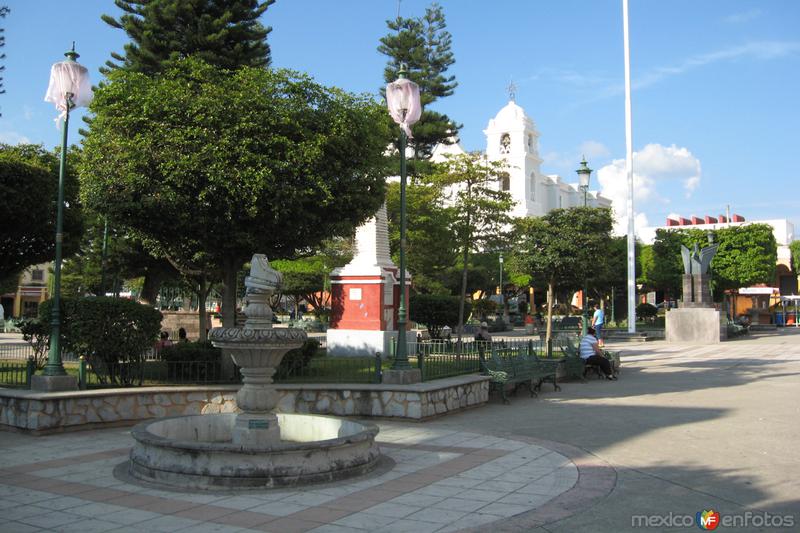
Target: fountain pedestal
<point x="257" y="447"/>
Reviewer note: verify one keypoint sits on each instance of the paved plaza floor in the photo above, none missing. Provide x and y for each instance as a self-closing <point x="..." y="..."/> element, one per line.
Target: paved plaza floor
<point x="685" y="429"/>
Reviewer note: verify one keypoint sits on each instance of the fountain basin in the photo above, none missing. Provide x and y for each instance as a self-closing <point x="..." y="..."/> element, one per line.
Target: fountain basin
<point x="197" y="452"/>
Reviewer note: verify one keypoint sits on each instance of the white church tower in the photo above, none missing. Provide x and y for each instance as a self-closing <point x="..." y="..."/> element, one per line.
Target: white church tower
<point x="511" y="136"/>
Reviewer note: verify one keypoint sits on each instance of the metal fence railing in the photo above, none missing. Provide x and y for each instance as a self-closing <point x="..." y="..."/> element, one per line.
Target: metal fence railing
<point x="439" y="359"/>
<point x="16" y="373"/>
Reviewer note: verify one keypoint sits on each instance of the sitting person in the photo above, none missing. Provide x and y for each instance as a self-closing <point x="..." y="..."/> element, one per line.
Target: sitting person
<point x="483" y="333"/>
<point x="182" y="335"/>
<point x="592" y="354"/>
<point x="163" y="341"/>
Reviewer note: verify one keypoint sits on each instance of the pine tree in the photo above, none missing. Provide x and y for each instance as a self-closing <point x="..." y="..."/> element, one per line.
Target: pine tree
<point x="223" y="33"/>
<point x="423" y="44"/>
<point x="4" y="10"/>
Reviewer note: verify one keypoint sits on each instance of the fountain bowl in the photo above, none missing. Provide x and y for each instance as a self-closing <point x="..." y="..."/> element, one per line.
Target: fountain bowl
<point x="197" y="452"/>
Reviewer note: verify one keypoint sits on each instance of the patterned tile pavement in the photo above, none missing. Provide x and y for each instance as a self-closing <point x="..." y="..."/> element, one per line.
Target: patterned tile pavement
<point x="441" y="480"/>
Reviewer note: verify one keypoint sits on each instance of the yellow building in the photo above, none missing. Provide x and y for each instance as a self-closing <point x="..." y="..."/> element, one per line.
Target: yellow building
<point x="32" y="289"/>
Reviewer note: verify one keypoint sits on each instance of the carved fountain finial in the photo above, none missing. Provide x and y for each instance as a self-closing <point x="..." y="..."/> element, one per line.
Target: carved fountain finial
<point x="261" y="284"/>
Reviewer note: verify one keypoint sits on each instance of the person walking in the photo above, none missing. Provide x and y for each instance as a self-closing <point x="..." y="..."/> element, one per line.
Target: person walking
<point x="598" y="320"/>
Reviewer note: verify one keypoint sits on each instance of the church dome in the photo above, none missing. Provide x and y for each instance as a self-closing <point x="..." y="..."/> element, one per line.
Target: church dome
<point x="511" y="115"/>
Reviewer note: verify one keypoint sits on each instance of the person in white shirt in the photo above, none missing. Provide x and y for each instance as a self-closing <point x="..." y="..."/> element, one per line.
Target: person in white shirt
<point x="592" y="354"/>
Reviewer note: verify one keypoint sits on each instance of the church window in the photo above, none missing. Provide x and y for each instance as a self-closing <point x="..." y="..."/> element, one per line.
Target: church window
<point x="530" y="142"/>
<point x="559" y="201"/>
<point x="533" y="186"/>
<point x="505" y="143"/>
<point x="505" y="182"/>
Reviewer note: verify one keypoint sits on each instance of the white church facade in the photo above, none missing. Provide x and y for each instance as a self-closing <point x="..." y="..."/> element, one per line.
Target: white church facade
<point x="511" y="136"/>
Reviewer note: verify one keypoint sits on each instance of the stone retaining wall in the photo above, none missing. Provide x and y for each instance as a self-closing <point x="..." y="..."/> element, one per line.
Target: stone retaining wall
<point x="34" y="411"/>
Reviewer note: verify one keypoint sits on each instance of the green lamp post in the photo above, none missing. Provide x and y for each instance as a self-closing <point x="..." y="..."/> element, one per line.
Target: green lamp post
<point x="584" y="174"/>
<point x="403" y="101"/>
<point x="69" y="88"/>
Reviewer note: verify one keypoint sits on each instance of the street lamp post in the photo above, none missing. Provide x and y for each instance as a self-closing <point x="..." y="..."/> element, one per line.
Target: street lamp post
<point x="69" y="88"/>
<point x="584" y="174"/>
<point x="403" y="101"/>
<point x="502" y="294"/>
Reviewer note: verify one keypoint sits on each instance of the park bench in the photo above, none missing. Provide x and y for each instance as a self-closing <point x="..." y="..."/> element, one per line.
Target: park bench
<point x="518" y="366"/>
<point x="735" y="329"/>
<point x="576" y="367"/>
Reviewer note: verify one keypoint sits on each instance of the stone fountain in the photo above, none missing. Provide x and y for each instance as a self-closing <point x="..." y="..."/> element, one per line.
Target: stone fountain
<point x="256" y="447"/>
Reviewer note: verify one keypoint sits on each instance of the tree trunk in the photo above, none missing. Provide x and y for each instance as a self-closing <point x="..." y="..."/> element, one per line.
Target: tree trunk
<point x="230" y="269"/>
<point x="202" y="294"/>
<point x="465" y="258"/>
<point x="151" y="287"/>
<point x="550" y="286"/>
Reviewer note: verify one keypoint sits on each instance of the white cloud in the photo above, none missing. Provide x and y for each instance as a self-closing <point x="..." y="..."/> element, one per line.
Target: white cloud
<point x="757" y="50"/>
<point x="654" y="166"/>
<point x="744" y="16"/>
<point x="594" y="149"/>
<point x="565" y="163"/>
<point x="12" y="137"/>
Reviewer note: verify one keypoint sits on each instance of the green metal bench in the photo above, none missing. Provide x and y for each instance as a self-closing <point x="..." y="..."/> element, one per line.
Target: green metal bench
<point x="519" y="366"/>
<point x="577" y="368"/>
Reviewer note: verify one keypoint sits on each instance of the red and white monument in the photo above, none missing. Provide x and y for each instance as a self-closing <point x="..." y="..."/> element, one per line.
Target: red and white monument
<point x="365" y="295"/>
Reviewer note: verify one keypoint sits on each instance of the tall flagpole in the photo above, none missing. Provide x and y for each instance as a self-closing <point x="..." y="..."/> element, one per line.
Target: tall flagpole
<point x="629" y="172"/>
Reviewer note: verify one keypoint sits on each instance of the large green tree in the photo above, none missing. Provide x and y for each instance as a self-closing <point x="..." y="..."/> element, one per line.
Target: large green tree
<point x="28" y="194"/>
<point x="225" y="34"/>
<point x="561" y="249"/>
<point x="423" y="44"/>
<point x="430" y="249"/>
<point x="481" y="209"/>
<point x="209" y="166"/>
<point x="747" y="255"/>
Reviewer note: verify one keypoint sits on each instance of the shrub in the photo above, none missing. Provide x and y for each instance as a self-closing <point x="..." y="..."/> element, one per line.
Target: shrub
<point x="436" y="311"/>
<point x="112" y="333"/>
<point x="647" y="312"/>
<point x="296" y="360"/>
<point x="483" y="307"/>
<point x="36" y="332"/>
<point x="191" y="351"/>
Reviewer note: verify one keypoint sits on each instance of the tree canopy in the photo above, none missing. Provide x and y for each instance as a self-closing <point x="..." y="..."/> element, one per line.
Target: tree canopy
<point x="562" y="248"/>
<point x="224" y="34"/>
<point x="480" y="209"/>
<point x="423" y="44"/>
<point x="209" y="166"/>
<point x="28" y="194"/>
<point x="747" y="255"/>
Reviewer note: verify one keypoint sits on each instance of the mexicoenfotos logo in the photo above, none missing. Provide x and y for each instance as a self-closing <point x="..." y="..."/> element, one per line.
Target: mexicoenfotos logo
<point x="707" y="519"/>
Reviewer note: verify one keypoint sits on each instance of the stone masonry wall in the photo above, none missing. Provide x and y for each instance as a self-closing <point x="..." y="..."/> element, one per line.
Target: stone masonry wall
<point x="69" y="410"/>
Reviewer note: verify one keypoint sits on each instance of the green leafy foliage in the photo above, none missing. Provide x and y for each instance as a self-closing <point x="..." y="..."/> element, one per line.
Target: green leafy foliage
<point x="423" y="44"/>
<point x="28" y="199"/>
<point x="434" y="311"/>
<point x="224" y="34"/>
<point x="646" y="311"/>
<point x="191" y="351"/>
<point x="747" y="255"/>
<point x="562" y="248"/>
<point x="480" y="209"/>
<point x="36" y="332"/>
<point x="430" y="249"/>
<point x="112" y="333"/>
<point x="297" y="360"/>
<point x="483" y="307"/>
<point x="794" y="248"/>
<point x="208" y="166"/>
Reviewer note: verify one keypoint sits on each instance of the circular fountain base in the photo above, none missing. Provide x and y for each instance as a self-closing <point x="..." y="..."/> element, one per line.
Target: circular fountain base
<point x="196" y="452"/>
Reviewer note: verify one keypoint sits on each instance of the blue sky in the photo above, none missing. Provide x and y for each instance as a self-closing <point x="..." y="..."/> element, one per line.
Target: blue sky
<point x="714" y="107"/>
